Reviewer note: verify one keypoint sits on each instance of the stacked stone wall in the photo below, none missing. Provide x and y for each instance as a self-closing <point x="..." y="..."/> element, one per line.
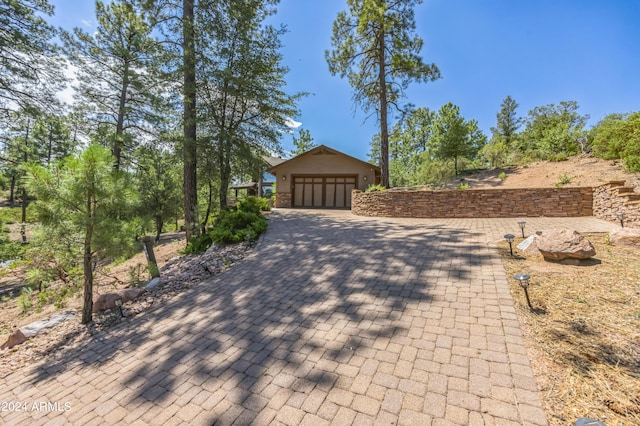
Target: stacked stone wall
<point x="480" y="203"/>
<point x="615" y="197"/>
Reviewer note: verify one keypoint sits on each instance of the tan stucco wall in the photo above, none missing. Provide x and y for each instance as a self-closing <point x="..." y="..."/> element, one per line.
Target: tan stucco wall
<point x="324" y="164"/>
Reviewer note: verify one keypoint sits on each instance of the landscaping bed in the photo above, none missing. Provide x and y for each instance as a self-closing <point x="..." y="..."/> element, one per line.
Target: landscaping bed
<point x="583" y="335"/>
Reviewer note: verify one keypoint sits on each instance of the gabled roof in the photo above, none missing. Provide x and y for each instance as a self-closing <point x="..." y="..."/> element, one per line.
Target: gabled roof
<point x="273" y="161"/>
<point x="321" y="149"/>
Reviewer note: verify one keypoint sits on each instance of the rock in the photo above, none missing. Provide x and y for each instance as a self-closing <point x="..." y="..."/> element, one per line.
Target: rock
<point x="108" y="300"/>
<point x="16" y="338"/>
<point x="38" y="327"/>
<point x="153" y="282"/>
<point x="626" y="237"/>
<point x="561" y="244"/>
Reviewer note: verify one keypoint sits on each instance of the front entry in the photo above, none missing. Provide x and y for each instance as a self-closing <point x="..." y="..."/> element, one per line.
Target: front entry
<point x="323" y="191"/>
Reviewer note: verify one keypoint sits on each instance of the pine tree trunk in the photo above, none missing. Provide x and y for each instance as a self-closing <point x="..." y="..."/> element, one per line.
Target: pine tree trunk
<point x="190" y="151"/>
<point x="384" y="126"/>
<point x="225" y="172"/>
<point x="12" y="191"/>
<point x="159" y="225"/>
<point x="87" y="266"/>
<point x="209" y="205"/>
<point x="118" y="141"/>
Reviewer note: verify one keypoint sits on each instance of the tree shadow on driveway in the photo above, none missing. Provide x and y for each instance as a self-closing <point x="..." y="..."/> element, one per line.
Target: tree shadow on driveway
<point x="319" y="299"/>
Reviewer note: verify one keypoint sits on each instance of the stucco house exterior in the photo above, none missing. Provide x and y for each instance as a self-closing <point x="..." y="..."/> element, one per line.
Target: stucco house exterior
<point x="321" y="178"/>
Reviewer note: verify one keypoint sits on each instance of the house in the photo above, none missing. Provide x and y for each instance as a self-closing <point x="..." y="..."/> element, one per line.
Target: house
<point x="321" y="178"/>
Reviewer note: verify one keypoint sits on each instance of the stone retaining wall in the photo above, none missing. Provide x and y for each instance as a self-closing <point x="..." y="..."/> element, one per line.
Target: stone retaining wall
<point x="613" y="198"/>
<point x="537" y="202"/>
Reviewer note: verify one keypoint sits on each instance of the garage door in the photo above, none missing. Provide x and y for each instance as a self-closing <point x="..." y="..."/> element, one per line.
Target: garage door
<point x="323" y="191"/>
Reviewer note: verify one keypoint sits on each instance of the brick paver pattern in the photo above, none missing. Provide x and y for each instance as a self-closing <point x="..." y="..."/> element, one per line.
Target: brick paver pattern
<point x="333" y="319"/>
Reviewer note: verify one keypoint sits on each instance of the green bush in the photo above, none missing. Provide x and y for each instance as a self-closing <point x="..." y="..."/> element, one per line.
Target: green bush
<point x="558" y="157"/>
<point x="244" y="223"/>
<point x="10" y="250"/>
<point x="563" y="179"/>
<point x="375" y="188"/>
<point x="198" y="244"/>
<point x="24" y="300"/>
<point x="254" y="204"/>
<point x="632" y="163"/>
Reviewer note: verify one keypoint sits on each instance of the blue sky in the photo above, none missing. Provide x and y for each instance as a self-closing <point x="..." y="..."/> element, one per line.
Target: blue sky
<point x="538" y="52"/>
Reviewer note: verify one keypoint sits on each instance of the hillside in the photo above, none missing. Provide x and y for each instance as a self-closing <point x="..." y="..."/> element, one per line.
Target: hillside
<point x="579" y="171"/>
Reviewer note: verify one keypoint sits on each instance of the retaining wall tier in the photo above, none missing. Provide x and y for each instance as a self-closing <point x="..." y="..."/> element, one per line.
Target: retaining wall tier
<point x="615" y="197"/>
<point x="481" y="203"/>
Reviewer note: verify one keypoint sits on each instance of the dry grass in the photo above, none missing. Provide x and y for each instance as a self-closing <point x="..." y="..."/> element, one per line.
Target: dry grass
<point x="584" y="333"/>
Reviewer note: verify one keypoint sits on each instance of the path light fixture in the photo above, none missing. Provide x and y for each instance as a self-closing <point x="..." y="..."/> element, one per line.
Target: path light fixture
<point x="523" y="280"/>
<point x="521" y="224"/>
<point x="510" y="238"/>
<point x="118" y="303"/>
<point x="620" y="217"/>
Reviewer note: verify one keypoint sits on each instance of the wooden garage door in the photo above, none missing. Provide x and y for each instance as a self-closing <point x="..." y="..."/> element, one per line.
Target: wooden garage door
<point x="323" y="191"/>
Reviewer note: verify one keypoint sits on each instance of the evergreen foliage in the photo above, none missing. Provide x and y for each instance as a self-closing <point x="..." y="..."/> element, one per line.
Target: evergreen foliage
<point x="86" y="203"/>
<point x="377" y="50"/>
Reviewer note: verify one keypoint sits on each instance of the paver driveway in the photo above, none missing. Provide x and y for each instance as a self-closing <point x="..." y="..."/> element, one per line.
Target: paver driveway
<point x="333" y="319"/>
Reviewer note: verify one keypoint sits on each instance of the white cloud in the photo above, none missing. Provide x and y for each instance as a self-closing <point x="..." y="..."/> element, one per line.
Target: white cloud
<point x="67" y="95"/>
<point x="291" y="123"/>
<point x="87" y="23"/>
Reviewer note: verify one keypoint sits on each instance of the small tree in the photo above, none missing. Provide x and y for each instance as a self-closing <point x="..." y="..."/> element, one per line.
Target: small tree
<point x="158" y="185"/>
<point x="454" y="138"/>
<point x="85" y="195"/>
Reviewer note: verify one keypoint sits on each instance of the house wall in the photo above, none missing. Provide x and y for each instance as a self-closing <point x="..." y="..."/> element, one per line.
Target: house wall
<point x="320" y="164"/>
<point x="536" y="202"/>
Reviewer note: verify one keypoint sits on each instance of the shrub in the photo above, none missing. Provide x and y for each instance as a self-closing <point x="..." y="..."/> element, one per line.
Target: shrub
<point x="502" y="176"/>
<point x="632" y="163"/>
<point x="463" y="186"/>
<point x="10" y="250"/>
<point x="254" y="204"/>
<point x="198" y="244"/>
<point x="244" y="223"/>
<point x="563" y="179"/>
<point x="375" y="188"/>
<point x="24" y="300"/>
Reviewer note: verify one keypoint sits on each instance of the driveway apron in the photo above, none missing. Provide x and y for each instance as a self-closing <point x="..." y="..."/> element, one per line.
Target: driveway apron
<point x="333" y="319"/>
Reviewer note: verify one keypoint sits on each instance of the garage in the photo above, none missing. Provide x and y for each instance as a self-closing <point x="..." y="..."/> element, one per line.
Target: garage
<point x="323" y="191"/>
<point x="321" y="178"/>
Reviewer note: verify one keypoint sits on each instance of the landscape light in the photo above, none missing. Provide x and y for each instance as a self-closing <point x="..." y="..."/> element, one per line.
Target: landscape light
<point x="521" y="224"/>
<point x="118" y="303"/>
<point x="620" y="217"/>
<point x="523" y="280"/>
<point x="510" y="238"/>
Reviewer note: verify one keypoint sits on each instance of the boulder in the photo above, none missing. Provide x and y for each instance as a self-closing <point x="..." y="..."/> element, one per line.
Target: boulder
<point x="561" y="244"/>
<point x="108" y="300"/>
<point x="626" y="237"/>
<point x="38" y="327"/>
<point x="16" y="338"/>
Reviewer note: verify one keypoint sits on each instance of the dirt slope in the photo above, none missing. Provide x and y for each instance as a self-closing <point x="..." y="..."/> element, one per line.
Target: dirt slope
<point x="580" y="171"/>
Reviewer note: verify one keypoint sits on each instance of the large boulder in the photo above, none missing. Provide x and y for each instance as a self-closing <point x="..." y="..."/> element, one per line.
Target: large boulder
<point x="108" y="300"/>
<point x="561" y="244"/>
<point x="626" y="237"/>
<point x="15" y="338"/>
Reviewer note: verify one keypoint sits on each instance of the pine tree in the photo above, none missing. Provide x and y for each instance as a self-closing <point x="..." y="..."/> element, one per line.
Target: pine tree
<point x="117" y="85"/>
<point x="303" y="143"/>
<point x="376" y="48"/>
<point x="84" y="195"/>
<point x="30" y="69"/>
